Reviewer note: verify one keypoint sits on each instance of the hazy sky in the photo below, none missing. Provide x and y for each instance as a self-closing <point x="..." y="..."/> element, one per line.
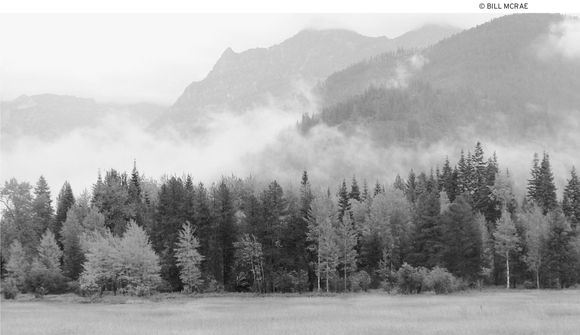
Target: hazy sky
<point x="153" y="57"/>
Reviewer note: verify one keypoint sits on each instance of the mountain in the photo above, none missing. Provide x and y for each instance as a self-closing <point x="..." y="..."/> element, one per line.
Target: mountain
<point x="496" y="80"/>
<point x="284" y="73"/>
<point x="50" y="116"/>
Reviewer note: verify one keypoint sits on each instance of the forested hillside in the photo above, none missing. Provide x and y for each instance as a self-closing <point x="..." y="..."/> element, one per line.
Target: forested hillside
<point x="504" y="80"/>
<point x="461" y="222"/>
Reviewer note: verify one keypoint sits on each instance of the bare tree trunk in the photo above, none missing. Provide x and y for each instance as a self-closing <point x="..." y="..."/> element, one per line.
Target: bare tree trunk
<point x="507" y="265"/>
<point x="538" y="279"/>
<point x="345" y="266"/>
<point x="318" y="272"/>
<point x="327" y="279"/>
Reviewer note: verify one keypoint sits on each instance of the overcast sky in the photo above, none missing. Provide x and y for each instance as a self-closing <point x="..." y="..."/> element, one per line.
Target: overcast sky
<point x="127" y="58"/>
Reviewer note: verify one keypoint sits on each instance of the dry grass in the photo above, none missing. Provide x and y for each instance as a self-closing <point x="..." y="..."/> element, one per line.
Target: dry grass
<point x="491" y="312"/>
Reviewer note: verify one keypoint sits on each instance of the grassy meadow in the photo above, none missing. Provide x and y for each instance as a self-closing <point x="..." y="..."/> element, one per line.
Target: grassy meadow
<point x="474" y="312"/>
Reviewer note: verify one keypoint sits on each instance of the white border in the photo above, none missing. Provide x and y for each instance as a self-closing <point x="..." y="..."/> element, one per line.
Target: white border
<point x="279" y="6"/>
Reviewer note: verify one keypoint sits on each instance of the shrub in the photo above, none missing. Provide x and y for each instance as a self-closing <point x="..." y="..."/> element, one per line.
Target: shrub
<point x="211" y="285"/>
<point x="9" y="289"/>
<point x="163" y="286"/>
<point x="42" y="280"/>
<point x="285" y="281"/>
<point x="73" y="287"/>
<point x="389" y="281"/>
<point x="360" y="281"/>
<point x="410" y="279"/>
<point x="440" y="281"/>
<point x="139" y="290"/>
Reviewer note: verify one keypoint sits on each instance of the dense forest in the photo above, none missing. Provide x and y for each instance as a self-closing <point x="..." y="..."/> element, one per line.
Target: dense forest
<point x="134" y="235"/>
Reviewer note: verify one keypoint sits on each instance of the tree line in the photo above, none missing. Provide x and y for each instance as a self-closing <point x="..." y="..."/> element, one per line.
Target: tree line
<point x="135" y="235"/>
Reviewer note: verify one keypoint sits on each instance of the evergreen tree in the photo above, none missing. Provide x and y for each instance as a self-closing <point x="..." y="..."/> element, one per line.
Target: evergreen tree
<point x="559" y="255"/>
<point x="571" y="200"/>
<point x="136" y="206"/>
<point x="463" y="174"/>
<point x="447" y="180"/>
<point x="462" y="251"/>
<point x="42" y="211"/>
<point x="354" y="190"/>
<point x="378" y="189"/>
<point x="73" y="256"/>
<point x="65" y="201"/>
<point x="203" y="220"/>
<point x="411" y="187"/>
<point x="111" y="198"/>
<point x="541" y="188"/>
<point x="165" y="230"/>
<point x="506" y="241"/>
<point x="535" y="180"/>
<point x="225" y="234"/>
<point x="343" y="201"/>
<point x="427" y="236"/>
<point x="188" y="258"/>
<point x="365" y="193"/>
<point x="299" y="228"/>
<point x="399" y="184"/>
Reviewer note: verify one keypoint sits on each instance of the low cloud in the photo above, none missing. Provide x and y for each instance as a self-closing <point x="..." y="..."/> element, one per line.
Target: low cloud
<point x="563" y="40"/>
<point x="266" y="144"/>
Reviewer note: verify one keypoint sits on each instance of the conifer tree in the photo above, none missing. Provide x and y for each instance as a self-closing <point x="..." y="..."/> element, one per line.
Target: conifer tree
<point x="411" y="187"/>
<point x="365" y="193"/>
<point x="188" y="258"/>
<point x="378" y="189"/>
<point x="42" y="211"/>
<point x="399" y="184"/>
<point x="427" y="236"/>
<point x="354" y="190"/>
<point x="571" y="200"/>
<point x="343" y="201"/>
<point x="541" y="188"/>
<point x="225" y="235"/>
<point x="560" y="262"/>
<point x="462" y="251"/>
<point x="447" y="180"/>
<point x="535" y="180"/>
<point x="73" y="256"/>
<point x="65" y="201"/>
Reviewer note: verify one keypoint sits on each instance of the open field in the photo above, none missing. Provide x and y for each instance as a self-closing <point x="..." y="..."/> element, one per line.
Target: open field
<point x="488" y="312"/>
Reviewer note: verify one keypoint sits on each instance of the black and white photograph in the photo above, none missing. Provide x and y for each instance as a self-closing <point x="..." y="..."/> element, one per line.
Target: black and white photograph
<point x="309" y="169"/>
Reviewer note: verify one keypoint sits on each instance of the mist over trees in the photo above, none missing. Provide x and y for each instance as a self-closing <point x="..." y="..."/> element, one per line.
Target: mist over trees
<point x="455" y="225"/>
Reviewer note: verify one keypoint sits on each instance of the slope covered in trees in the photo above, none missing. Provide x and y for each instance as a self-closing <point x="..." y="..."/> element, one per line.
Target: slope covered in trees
<point x="505" y="80"/>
